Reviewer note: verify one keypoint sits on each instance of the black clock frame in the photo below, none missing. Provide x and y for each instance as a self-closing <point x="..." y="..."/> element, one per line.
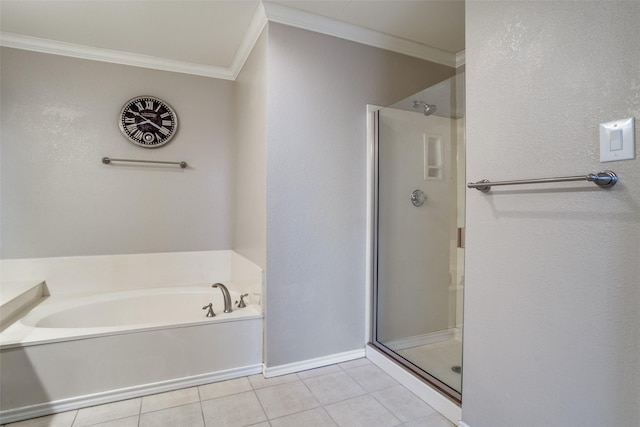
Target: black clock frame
<point x="148" y="121"/>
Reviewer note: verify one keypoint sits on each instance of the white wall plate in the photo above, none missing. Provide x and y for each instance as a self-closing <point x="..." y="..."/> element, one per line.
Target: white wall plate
<point x="617" y="140"/>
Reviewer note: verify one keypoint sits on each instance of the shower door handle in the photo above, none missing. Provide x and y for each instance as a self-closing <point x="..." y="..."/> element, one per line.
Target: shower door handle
<point x="461" y="237"/>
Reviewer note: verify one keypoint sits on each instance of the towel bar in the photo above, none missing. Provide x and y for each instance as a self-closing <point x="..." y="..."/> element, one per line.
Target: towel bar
<point x="604" y="179"/>
<point x="107" y="160"/>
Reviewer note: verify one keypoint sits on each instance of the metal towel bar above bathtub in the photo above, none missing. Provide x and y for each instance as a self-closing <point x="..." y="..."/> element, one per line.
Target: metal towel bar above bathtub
<point x="604" y="179"/>
<point x="107" y="160"/>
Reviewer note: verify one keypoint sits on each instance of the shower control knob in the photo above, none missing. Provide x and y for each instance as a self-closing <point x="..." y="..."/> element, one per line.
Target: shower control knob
<point x="418" y="198"/>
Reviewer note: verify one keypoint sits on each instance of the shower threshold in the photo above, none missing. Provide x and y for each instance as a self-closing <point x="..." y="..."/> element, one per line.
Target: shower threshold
<point x="446" y="404"/>
<point x="435" y="371"/>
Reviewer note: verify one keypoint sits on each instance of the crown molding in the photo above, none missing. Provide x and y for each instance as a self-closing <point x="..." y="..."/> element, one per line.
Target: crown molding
<point x="265" y="12"/>
<point x="36" y="44"/>
<point x="332" y="27"/>
<point x="249" y="40"/>
<point x="461" y="58"/>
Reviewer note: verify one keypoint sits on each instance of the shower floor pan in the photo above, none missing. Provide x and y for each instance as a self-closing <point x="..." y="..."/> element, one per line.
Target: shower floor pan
<point x="439" y="359"/>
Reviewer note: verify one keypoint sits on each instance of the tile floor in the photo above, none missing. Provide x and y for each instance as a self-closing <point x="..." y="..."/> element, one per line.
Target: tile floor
<point x="349" y="394"/>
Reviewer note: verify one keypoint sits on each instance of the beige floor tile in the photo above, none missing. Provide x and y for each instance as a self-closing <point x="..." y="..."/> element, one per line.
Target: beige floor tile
<point x="433" y="420"/>
<point x="319" y="371"/>
<point x="332" y="388"/>
<point x="313" y="418"/>
<point x="122" y="422"/>
<point x="180" y="416"/>
<point x="259" y="381"/>
<point x="405" y="405"/>
<point x="107" y="412"/>
<point x="224" y="388"/>
<point x="286" y="399"/>
<point x="237" y="410"/>
<point x="170" y="399"/>
<point x="361" y="411"/>
<point x="355" y="363"/>
<point x="63" y="419"/>
<point x="371" y="378"/>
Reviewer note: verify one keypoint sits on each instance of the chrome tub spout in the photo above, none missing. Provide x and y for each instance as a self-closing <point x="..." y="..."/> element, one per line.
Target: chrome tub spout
<point x="225" y="294"/>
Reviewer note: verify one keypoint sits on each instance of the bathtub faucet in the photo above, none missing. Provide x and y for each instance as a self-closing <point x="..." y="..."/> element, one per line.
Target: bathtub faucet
<point x="225" y="294"/>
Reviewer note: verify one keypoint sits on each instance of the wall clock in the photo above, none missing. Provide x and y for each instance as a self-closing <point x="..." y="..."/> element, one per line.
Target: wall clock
<point x="148" y="121"/>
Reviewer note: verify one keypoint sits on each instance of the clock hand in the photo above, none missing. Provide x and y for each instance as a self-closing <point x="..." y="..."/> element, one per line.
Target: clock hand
<point x="160" y="128"/>
<point x="146" y="121"/>
<point x="140" y="115"/>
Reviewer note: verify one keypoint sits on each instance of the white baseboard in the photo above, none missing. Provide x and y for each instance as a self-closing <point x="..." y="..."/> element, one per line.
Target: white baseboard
<point x="48" y="408"/>
<point x="463" y="424"/>
<point x="290" y="368"/>
<point x="435" y="399"/>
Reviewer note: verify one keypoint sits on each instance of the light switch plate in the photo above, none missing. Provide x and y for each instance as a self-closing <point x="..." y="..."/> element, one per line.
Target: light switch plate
<point x="617" y="140"/>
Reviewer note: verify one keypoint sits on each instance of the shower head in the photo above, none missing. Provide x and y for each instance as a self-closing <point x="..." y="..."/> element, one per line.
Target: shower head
<point x="429" y="109"/>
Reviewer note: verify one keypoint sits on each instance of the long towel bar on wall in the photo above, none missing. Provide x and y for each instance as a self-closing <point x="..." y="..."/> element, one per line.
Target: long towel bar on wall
<point x="604" y="179"/>
<point x="107" y="160"/>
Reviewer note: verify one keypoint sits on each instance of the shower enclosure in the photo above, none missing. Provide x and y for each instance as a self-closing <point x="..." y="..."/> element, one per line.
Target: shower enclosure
<point x="418" y="242"/>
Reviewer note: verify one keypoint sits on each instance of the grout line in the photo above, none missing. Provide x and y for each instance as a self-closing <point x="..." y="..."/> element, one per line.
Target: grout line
<point x="260" y="403"/>
<point x="204" y="421"/>
<point x="331" y="417"/>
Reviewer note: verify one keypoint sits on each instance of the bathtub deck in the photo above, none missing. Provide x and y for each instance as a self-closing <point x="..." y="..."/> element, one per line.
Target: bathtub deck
<point x="16" y="297"/>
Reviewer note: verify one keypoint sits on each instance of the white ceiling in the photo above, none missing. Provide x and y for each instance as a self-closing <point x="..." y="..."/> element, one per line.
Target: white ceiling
<point x="438" y="24"/>
<point x="217" y="35"/>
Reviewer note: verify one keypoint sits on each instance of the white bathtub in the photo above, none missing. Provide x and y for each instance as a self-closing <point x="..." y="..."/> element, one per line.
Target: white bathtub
<point x="78" y="316"/>
<point x="76" y="350"/>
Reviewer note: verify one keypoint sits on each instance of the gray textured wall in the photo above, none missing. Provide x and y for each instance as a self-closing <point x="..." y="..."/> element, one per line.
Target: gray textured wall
<point x="552" y="326"/>
<point x="316" y="184"/>
<point x="60" y="117"/>
<point x="250" y="160"/>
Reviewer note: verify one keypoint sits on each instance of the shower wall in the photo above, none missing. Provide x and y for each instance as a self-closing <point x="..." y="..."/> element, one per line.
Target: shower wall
<point x="59" y="118"/>
<point x="413" y="242"/>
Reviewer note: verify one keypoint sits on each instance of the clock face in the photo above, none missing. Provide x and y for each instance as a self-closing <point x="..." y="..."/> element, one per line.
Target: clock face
<point x="148" y="122"/>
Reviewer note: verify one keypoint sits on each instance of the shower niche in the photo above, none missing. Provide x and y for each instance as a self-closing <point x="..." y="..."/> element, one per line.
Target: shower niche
<point x="418" y="253"/>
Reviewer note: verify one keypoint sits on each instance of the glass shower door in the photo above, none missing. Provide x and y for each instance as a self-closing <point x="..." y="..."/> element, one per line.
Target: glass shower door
<point x="419" y="252"/>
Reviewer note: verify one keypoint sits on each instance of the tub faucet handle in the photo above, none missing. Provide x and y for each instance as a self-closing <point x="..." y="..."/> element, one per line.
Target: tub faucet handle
<point x="210" y="313"/>
<point x="242" y="304"/>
